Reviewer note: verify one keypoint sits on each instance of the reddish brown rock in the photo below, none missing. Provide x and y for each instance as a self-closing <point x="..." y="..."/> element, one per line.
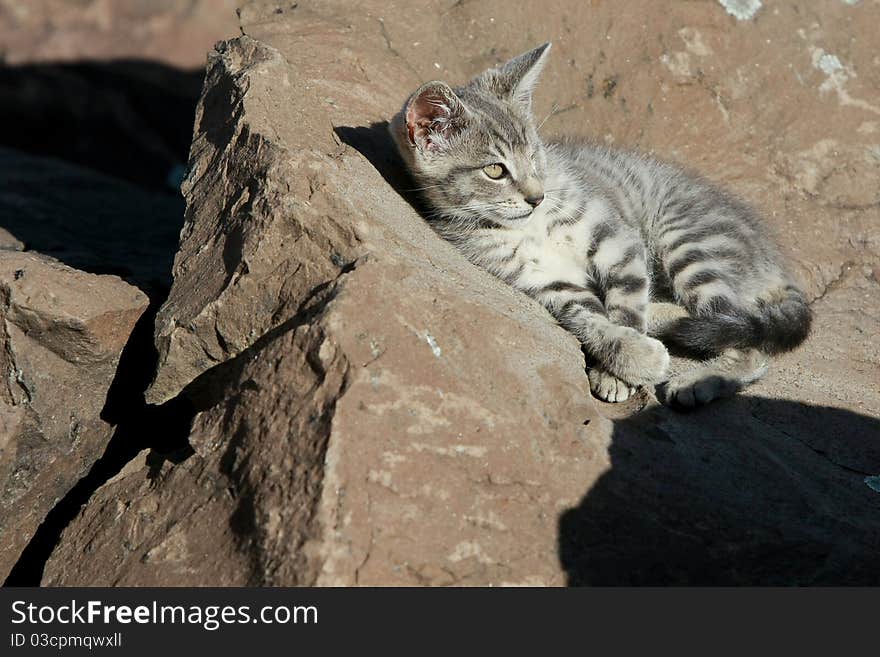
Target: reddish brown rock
<point x="374" y="410"/>
<point x="62" y="333"/>
<point x="169" y="31"/>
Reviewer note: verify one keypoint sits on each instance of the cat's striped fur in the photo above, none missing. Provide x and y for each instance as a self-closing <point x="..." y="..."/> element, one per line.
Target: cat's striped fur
<point x="599" y="236"/>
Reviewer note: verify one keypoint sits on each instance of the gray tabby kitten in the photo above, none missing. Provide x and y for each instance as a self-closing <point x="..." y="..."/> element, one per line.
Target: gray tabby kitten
<point x="595" y="235"/>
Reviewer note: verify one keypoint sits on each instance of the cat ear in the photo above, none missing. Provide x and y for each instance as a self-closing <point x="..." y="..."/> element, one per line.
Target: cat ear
<point x="433" y="115"/>
<point x="518" y="77"/>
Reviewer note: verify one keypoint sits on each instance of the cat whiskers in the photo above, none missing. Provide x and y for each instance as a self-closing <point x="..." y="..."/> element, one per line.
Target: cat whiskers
<point x="422" y="189"/>
<point x="468" y="215"/>
<point x="462" y="209"/>
<point x="546" y="118"/>
<point x="554" y="205"/>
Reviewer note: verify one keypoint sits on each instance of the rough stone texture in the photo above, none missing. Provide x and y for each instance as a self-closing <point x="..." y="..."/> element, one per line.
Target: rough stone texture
<point x="260" y="234"/>
<point x="62" y="333"/>
<point x="10" y="242"/>
<point x="169" y="31"/>
<point x="374" y="410"/>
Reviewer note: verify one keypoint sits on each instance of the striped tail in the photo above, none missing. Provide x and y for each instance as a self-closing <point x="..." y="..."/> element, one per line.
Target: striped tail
<point x="773" y="327"/>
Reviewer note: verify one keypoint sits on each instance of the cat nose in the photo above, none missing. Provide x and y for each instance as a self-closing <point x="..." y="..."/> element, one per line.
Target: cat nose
<point x="535" y="200"/>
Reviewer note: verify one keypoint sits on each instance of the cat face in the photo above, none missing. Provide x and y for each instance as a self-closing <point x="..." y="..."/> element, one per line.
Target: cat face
<point x="475" y="150"/>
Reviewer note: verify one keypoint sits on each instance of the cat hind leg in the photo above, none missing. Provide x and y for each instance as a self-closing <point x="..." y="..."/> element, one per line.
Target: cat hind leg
<point x="661" y="315"/>
<point x="719" y="377"/>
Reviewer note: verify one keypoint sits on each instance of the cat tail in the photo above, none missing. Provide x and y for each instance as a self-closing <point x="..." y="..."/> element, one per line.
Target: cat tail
<point x="773" y="327"/>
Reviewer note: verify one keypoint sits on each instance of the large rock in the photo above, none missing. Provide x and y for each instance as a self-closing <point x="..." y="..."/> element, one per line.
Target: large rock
<point x="374" y="410"/>
<point x="62" y="333"/>
<point x="323" y="313"/>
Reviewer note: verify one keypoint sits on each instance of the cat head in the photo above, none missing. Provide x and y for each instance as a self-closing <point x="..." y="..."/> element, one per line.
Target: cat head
<point x="475" y="150"/>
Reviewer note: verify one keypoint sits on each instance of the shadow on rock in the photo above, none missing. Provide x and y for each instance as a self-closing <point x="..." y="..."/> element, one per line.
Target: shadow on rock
<point x="164" y="430"/>
<point x="92" y="157"/>
<point x="129" y="119"/>
<point x="375" y="144"/>
<point x="750" y="491"/>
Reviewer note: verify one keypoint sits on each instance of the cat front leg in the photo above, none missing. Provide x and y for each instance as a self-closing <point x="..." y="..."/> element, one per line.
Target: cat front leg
<point x="608" y="387"/>
<point x="628" y="354"/>
<point x="621" y="272"/>
<point x="624" y="357"/>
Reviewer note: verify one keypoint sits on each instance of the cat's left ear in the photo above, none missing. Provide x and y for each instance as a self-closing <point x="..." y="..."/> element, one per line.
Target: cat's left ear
<point x="518" y="77"/>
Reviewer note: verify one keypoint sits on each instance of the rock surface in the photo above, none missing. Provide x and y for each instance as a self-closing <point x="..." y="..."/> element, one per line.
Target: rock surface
<point x="169" y="31"/>
<point x="62" y="334"/>
<point x="129" y="118"/>
<point x="10" y="242"/>
<point x="374" y="410"/>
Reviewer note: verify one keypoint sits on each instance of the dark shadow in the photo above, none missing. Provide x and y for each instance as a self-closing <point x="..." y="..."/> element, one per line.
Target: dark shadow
<point x="748" y="491"/>
<point x="91" y="157"/>
<point x="218" y="123"/>
<point x="129" y="119"/>
<point x="163" y="429"/>
<point x="89" y="221"/>
<point x="375" y="144"/>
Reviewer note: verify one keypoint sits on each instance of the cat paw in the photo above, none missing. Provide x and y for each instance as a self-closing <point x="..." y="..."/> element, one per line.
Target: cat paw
<point x="608" y="387"/>
<point x="691" y="389"/>
<point x="642" y="360"/>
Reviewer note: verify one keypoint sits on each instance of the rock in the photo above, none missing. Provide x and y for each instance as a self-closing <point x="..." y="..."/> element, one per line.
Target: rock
<point x="8" y="241"/>
<point x="175" y="32"/>
<point x="250" y="253"/>
<point x="62" y="332"/>
<point x="374" y="410"/>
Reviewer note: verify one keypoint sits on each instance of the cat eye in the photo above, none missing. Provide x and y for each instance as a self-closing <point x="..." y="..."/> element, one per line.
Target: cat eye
<point x="495" y="171"/>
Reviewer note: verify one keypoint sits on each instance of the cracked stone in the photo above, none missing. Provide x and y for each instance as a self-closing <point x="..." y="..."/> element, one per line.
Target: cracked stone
<point x="62" y="334"/>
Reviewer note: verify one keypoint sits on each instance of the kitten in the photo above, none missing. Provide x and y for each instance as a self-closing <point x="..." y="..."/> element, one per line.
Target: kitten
<point x="598" y="235"/>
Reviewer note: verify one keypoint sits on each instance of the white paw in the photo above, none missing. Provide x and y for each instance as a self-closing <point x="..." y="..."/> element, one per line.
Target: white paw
<point x="642" y="360"/>
<point x="691" y="389"/>
<point x="608" y="387"/>
<point x="655" y="361"/>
